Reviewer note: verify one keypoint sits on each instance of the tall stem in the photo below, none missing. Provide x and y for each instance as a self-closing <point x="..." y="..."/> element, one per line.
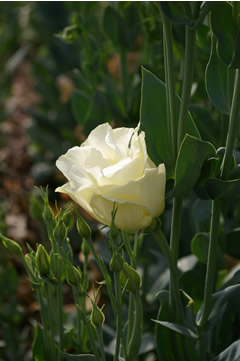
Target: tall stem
<point x="189" y="60"/>
<point x="170" y="85"/>
<point x="233" y="127"/>
<point x="160" y="238"/>
<point x="211" y="262"/>
<point x="101" y="342"/>
<point x="119" y="314"/>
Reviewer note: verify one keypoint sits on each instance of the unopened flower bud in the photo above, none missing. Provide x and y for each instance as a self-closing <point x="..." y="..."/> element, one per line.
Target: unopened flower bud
<point x="130" y="278"/>
<point x="83" y="228"/>
<point x="97" y="317"/>
<point x="74" y="275"/>
<point x="11" y="245"/>
<point x="42" y="260"/>
<point x="49" y="217"/>
<point x="60" y="231"/>
<point x="85" y="248"/>
<point x="116" y="263"/>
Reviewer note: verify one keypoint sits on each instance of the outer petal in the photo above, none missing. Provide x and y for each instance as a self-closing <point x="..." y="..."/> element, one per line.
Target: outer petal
<point x="129" y="217"/>
<point x="147" y="191"/>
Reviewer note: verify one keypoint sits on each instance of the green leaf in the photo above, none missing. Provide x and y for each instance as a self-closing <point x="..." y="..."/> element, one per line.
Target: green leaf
<point x="177" y="328"/>
<point x="81" y="105"/>
<point x="192" y="154"/>
<point x="153" y="119"/>
<point x="82" y="357"/>
<point x="211" y="129"/>
<point x="226" y="31"/>
<point x="114" y="27"/>
<point x="226" y="190"/>
<point x="199" y="246"/>
<point x="164" y="336"/>
<point x="114" y="98"/>
<point x="38" y="345"/>
<point x="228" y="296"/>
<point x="232" y="353"/>
<point x="177" y="11"/>
<point x="217" y="83"/>
<point x="231" y="243"/>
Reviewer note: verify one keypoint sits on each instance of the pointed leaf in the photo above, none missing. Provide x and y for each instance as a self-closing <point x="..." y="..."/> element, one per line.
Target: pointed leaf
<point x="226" y="190"/>
<point x="232" y="353"/>
<point x="153" y="118"/>
<point x="81" y="105"/>
<point x="82" y="357"/>
<point x="177" y="328"/>
<point x="192" y="154"/>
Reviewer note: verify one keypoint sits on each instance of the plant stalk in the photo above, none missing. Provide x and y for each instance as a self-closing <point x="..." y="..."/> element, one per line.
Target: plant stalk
<point x="233" y="127"/>
<point x="211" y="262"/>
<point x="189" y="60"/>
<point x="119" y="314"/>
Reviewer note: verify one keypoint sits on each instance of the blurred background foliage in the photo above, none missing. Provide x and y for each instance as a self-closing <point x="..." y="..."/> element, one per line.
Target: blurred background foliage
<point x="82" y="61"/>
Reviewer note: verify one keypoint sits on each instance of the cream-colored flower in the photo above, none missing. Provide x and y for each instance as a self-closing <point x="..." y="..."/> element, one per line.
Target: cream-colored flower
<point x="112" y="167"/>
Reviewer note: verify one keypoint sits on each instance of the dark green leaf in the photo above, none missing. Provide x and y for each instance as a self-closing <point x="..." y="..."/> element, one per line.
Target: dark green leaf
<point x="114" y="27"/>
<point x="177" y="328"/>
<point x="81" y="104"/>
<point x="114" y="97"/>
<point x="177" y="11"/>
<point x="82" y="357"/>
<point x="38" y="345"/>
<point x="228" y="296"/>
<point x="231" y="243"/>
<point x="226" y="190"/>
<point x="219" y="82"/>
<point x="226" y="31"/>
<point x="192" y="154"/>
<point x="153" y="118"/>
<point x="232" y="353"/>
<point x="199" y="246"/>
<point x="164" y="336"/>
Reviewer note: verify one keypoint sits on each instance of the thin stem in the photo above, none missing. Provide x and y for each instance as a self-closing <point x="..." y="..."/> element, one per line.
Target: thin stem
<point x="170" y="85"/>
<point x="124" y="77"/>
<point x="76" y="299"/>
<point x="176" y="228"/>
<point x="119" y="314"/>
<point x="47" y="346"/>
<point x="51" y="312"/>
<point x="86" y="323"/>
<point x="189" y="60"/>
<point x="160" y="238"/>
<point x="101" y="342"/>
<point x="211" y="262"/>
<point x="60" y="319"/>
<point x="104" y="273"/>
<point x="233" y="127"/>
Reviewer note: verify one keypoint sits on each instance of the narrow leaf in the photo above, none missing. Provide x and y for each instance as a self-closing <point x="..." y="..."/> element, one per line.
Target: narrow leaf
<point x="177" y="328"/>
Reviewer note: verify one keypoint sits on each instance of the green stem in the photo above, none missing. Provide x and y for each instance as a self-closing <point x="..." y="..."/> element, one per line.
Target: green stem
<point x="211" y="262"/>
<point x="47" y="346"/>
<point x="60" y="319"/>
<point x="104" y="272"/>
<point x="51" y="312"/>
<point x="233" y="127"/>
<point x="76" y="291"/>
<point x="160" y="238"/>
<point x="79" y="328"/>
<point x="124" y="77"/>
<point x="119" y="314"/>
<point x="101" y="342"/>
<point x="170" y="85"/>
<point x="189" y="60"/>
<point x="176" y="228"/>
<point x="135" y="339"/>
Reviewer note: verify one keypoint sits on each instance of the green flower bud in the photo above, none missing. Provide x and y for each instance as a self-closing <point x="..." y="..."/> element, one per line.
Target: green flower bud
<point x="130" y="278"/>
<point x="11" y="245"/>
<point x="43" y="261"/>
<point x="60" y="231"/>
<point x="116" y="263"/>
<point x="49" y="218"/>
<point x="74" y="275"/>
<point x="114" y="232"/>
<point x="97" y="317"/>
<point x="83" y="228"/>
<point x="85" y="248"/>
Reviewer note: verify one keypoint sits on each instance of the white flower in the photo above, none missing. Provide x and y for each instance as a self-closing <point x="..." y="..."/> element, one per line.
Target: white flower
<point x="112" y="167"/>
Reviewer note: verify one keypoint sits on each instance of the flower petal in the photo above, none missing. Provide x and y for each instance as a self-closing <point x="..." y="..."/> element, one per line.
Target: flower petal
<point x="129" y="217"/>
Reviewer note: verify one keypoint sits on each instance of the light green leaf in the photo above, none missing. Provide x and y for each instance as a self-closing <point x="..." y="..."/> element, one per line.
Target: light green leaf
<point x="192" y="154"/>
